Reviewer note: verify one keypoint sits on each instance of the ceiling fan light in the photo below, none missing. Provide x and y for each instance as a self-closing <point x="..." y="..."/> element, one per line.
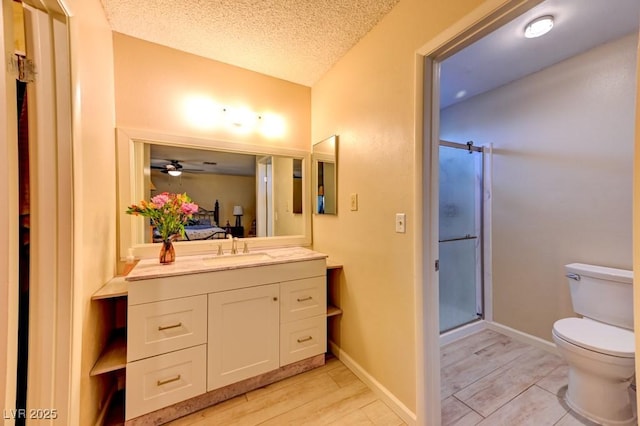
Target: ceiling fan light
<point x="539" y="26"/>
<point x="175" y="172"/>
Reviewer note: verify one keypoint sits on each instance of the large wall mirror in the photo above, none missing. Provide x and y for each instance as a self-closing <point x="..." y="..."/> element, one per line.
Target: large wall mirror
<point x="244" y="190"/>
<point x="325" y="176"/>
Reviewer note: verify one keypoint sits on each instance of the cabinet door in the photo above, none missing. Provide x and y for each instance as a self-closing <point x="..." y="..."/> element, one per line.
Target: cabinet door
<point x="243" y="334"/>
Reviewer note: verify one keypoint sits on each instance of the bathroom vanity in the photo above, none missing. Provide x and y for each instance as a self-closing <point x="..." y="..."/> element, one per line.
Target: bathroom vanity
<point x="207" y="328"/>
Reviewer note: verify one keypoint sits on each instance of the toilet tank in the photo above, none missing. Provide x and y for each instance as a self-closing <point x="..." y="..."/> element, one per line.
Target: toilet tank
<point x="601" y="293"/>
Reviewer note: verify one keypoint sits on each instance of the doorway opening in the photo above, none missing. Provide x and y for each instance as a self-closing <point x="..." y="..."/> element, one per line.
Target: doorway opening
<point x="24" y="254"/>
<point x="533" y="142"/>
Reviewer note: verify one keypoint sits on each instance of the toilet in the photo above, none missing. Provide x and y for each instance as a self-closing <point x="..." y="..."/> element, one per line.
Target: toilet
<point x="599" y="347"/>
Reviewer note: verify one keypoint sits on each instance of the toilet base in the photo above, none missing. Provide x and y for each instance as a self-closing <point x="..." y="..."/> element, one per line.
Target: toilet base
<point x="602" y="401"/>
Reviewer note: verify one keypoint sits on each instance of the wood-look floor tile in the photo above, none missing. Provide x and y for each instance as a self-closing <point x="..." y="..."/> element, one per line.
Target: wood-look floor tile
<point x="455" y="413"/>
<point x="381" y="415"/>
<point x="355" y="418"/>
<point x="460" y="349"/>
<point x="457" y="376"/>
<point x="274" y="403"/>
<point x="342" y="376"/>
<point x="574" y="419"/>
<point x="330" y="364"/>
<point x="555" y="381"/>
<point x="534" y="407"/>
<point x="503" y="384"/>
<point x="331" y="407"/>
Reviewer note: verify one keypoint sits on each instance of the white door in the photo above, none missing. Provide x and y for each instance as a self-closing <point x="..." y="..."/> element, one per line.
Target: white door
<point x="243" y="336"/>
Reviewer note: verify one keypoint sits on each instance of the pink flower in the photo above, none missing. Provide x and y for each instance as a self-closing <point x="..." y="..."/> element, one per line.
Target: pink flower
<point x="160" y="199"/>
<point x="167" y="213"/>
<point x="189" y="208"/>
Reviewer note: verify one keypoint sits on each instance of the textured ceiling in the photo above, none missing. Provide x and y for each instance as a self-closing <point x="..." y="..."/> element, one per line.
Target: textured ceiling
<point x="295" y="40"/>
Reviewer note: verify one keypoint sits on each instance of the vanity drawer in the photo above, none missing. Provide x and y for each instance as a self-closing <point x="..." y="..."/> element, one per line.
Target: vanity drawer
<point x="303" y="298"/>
<point x="160" y="327"/>
<point x="160" y="381"/>
<point x="303" y="339"/>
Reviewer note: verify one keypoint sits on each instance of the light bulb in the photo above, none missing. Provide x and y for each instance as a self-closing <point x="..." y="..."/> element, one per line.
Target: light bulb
<point x="539" y="26"/>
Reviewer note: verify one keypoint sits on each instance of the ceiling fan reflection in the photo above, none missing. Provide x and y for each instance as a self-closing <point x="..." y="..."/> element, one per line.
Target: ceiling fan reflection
<point x="174" y="168"/>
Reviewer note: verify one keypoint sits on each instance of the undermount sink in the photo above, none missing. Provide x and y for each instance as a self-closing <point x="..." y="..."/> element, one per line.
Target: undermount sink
<point x="236" y="259"/>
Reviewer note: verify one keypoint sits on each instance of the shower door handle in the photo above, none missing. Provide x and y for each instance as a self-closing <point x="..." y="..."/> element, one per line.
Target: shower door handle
<point x="466" y="237"/>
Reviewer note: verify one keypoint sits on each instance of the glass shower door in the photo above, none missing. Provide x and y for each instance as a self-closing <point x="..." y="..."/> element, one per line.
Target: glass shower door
<point x="460" y="239"/>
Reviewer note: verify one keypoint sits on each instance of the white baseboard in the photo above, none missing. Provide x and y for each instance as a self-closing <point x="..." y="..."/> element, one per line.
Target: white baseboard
<point x="462" y="332"/>
<point x="523" y="337"/>
<point x="381" y="392"/>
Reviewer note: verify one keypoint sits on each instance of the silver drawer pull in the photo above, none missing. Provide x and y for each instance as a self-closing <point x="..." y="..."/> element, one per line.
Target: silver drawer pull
<point x="573" y="277"/>
<point x="305" y="339"/>
<point x="304" y="299"/>
<point x="168" y="327"/>
<point x="167" y="381"/>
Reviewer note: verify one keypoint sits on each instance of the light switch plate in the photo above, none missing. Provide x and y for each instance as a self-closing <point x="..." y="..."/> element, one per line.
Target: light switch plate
<point x="401" y="223"/>
<point x="354" y="202"/>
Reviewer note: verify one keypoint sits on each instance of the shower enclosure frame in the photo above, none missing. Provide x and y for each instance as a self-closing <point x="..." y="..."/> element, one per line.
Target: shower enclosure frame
<point x="480" y="219"/>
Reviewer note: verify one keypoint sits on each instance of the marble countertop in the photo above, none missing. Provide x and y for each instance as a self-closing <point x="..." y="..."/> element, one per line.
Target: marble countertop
<point x="151" y="268"/>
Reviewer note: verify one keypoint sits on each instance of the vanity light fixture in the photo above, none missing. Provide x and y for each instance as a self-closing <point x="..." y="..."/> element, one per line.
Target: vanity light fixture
<point x="205" y="113"/>
<point x="539" y="26"/>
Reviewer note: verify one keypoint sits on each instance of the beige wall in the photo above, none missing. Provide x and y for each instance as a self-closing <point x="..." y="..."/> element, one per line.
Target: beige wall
<point x="153" y="83"/>
<point x="562" y="177"/>
<point x="636" y="213"/>
<point x="368" y="99"/>
<point x="94" y="195"/>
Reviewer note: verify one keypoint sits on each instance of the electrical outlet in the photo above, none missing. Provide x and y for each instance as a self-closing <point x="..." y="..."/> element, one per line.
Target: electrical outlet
<point x="401" y="223"/>
<point x="354" y="202"/>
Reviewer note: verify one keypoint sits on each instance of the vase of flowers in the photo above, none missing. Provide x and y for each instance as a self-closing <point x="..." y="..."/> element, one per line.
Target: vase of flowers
<point x="168" y="213"/>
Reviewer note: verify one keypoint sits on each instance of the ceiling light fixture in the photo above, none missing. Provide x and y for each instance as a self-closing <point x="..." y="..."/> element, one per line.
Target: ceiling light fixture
<point x="539" y="26"/>
<point x="175" y="172"/>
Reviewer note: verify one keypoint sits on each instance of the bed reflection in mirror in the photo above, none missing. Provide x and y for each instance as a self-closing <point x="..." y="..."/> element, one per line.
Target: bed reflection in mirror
<point x="325" y="169"/>
<point x="267" y="189"/>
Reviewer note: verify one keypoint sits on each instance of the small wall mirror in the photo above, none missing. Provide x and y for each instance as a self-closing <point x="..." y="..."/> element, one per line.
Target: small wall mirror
<point x="325" y="176"/>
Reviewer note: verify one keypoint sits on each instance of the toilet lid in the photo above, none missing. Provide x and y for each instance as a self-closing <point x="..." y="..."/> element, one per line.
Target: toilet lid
<point x="596" y="336"/>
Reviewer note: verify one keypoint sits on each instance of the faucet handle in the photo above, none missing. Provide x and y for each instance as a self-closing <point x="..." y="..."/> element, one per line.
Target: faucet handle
<point x="246" y="248"/>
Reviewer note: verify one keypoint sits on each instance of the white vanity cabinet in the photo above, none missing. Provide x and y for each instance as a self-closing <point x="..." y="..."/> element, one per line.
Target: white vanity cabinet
<point x="194" y="333"/>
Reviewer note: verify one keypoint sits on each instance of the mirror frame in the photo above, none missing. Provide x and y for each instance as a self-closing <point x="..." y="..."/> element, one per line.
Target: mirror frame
<point x="315" y="158"/>
<point x="130" y="146"/>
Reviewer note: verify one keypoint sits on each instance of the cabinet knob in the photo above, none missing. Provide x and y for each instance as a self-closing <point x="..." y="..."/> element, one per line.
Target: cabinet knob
<point x="275" y="299"/>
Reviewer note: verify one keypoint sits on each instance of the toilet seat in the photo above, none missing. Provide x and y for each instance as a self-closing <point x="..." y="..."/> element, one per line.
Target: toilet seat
<point x="596" y="336"/>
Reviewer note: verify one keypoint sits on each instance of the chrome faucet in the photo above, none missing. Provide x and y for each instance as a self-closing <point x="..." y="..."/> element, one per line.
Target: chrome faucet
<point x="234" y="246"/>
